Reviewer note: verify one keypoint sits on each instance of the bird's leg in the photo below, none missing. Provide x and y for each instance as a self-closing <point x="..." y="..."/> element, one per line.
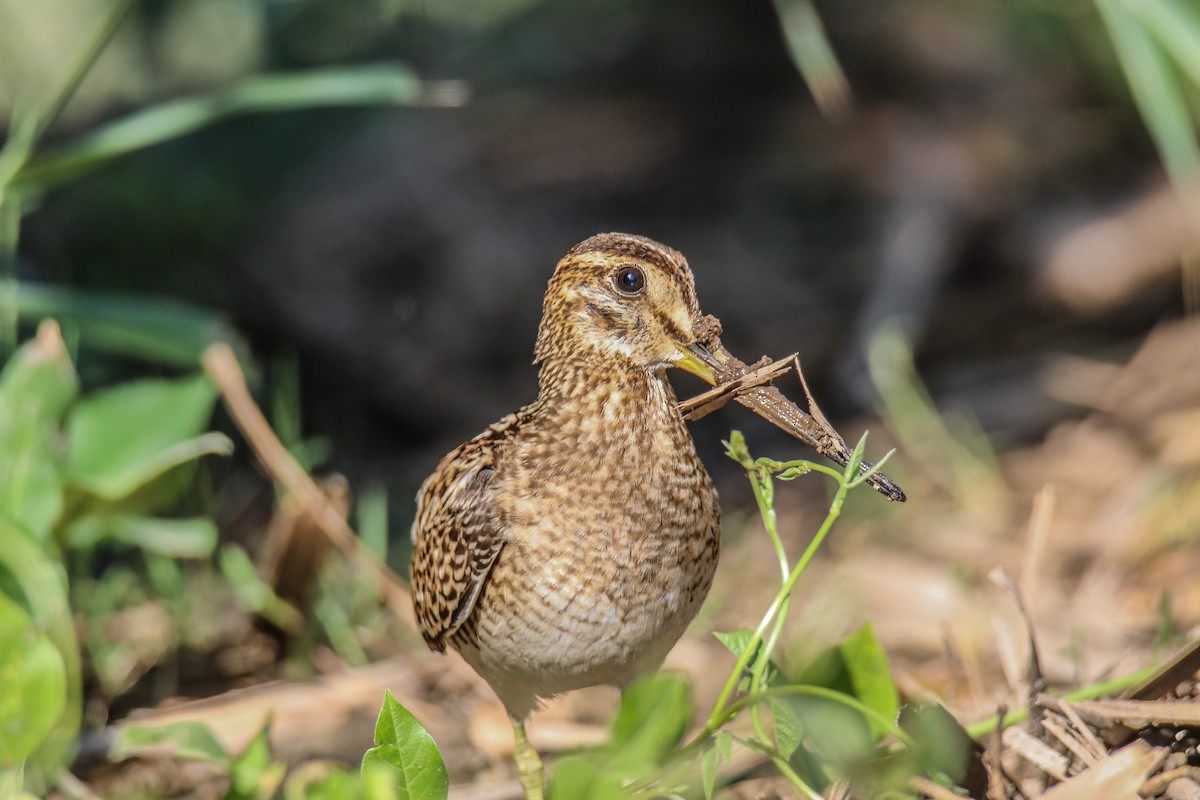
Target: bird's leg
<point x="529" y="765"/>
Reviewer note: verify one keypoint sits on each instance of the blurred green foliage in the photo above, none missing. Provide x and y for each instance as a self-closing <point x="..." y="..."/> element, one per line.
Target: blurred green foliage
<point x="1158" y="45"/>
<point x="79" y="472"/>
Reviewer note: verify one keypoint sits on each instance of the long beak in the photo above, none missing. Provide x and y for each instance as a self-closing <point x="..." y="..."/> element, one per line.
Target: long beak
<point x="698" y="361"/>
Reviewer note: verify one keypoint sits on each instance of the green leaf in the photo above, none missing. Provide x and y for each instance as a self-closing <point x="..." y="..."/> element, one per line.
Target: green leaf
<point x="857" y="667"/>
<point x="737" y="642"/>
<point x="403" y="745"/>
<point x="654" y="714"/>
<point x="188" y="741"/>
<point x="35" y="684"/>
<point x="123" y="437"/>
<point x="736" y="449"/>
<point x="254" y="593"/>
<point x="720" y="750"/>
<point x="158" y="329"/>
<point x="789" y="724"/>
<point x="30" y="578"/>
<point x="329" y="781"/>
<point x="377" y="784"/>
<point x="12" y="784"/>
<point x="870" y="674"/>
<point x="194" y="537"/>
<point x="585" y="777"/>
<point x="36" y="386"/>
<point x="253" y="773"/>
<point x="943" y="746"/>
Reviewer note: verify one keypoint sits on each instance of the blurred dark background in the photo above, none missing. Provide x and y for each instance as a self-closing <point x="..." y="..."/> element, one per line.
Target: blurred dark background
<point x="990" y="190"/>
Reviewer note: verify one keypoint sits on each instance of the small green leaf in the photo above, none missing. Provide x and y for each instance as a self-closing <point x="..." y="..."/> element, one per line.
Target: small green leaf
<point x="584" y="777"/>
<point x="856" y="457"/>
<point x="188" y="741"/>
<point x="789" y="727"/>
<point x="122" y="438"/>
<point x="34" y="681"/>
<point x="195" y="537"/>
<point x="736" y="449"/>
<point x="37" y="385"/>
<point x="403" y="745"/>
<point x="795" y="470"/>
<point x="856" y="667"/>
<point x="654" y="714"/>
<point x="720" y="750"/>
<point x="254" y="593"/>
<point x="327" y="781"/>
<point x="870" y="674"/>
<point x="789" y="724"/>
<point x="943" y="746"/>
<point x="377" y="783"/>
<point x="253" y="773"/>
<point x="738" y="641"/>
<point x="38" y="583"/>
<point x="838" y="733"/>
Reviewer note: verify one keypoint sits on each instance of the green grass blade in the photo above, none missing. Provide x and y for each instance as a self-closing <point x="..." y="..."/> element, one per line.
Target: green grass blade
<point x="1157" y="93"/>
<point x="1176" y="25"/>
<point x="376" y="84"/>
<point x="812" y="54"/>
<point x="84" y="63"/>
<point x="161" y="330"/>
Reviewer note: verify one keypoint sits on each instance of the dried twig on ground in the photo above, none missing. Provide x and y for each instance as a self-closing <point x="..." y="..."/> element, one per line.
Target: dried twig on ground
<point x="222" y="366"/>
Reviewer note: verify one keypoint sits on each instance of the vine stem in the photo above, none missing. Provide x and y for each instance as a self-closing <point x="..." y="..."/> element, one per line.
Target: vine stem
<point x="720" y="714"/>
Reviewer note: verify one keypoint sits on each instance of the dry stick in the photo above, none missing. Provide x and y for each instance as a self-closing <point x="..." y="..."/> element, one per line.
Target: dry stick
<point x="993" y="763"/>
<point x="1070" y="740"/>
<point x="931" y="789"/>
<point x="812" y="427"/>
<point x="1040" y="519"/>
<point x="1157" y="785"/>
<point x="222" y="366"/>
<point x="1034" y="677"/>
<point x="1095" y="746"/>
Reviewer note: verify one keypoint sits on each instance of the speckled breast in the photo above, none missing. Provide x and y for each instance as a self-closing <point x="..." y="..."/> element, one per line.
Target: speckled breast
<point x="613" y="533"/>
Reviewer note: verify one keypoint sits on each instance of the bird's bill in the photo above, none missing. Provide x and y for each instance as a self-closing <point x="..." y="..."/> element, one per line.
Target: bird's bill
<point x="697" y="360"/>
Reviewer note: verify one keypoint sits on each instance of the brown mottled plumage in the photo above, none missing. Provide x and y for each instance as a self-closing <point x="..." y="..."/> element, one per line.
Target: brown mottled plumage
<point x="571" y="543"/>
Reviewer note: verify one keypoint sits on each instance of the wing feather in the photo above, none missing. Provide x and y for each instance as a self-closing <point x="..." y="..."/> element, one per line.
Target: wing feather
<point x="456" y="536"/>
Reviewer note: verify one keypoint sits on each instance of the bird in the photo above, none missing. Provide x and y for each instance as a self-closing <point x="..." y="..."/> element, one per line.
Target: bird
<point x="572" y="542"/>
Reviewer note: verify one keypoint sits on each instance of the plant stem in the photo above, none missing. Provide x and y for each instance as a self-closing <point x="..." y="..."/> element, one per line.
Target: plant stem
<point x="83" y="64"/>
<point x="986" y="726"/>
<point x="718" y="716"/>
<point x="829" y="694"/>
<point x="764" y="493"/>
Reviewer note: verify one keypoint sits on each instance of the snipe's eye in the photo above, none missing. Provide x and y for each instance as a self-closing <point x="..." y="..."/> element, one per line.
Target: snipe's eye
<point x="630" y="280"/>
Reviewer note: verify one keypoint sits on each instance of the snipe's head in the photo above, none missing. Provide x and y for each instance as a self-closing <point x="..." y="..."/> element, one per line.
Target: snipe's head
<point x="625" y="302"/>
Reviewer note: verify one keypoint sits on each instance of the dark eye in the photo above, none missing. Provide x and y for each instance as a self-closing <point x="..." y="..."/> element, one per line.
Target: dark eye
<point x="630" y="280"/>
